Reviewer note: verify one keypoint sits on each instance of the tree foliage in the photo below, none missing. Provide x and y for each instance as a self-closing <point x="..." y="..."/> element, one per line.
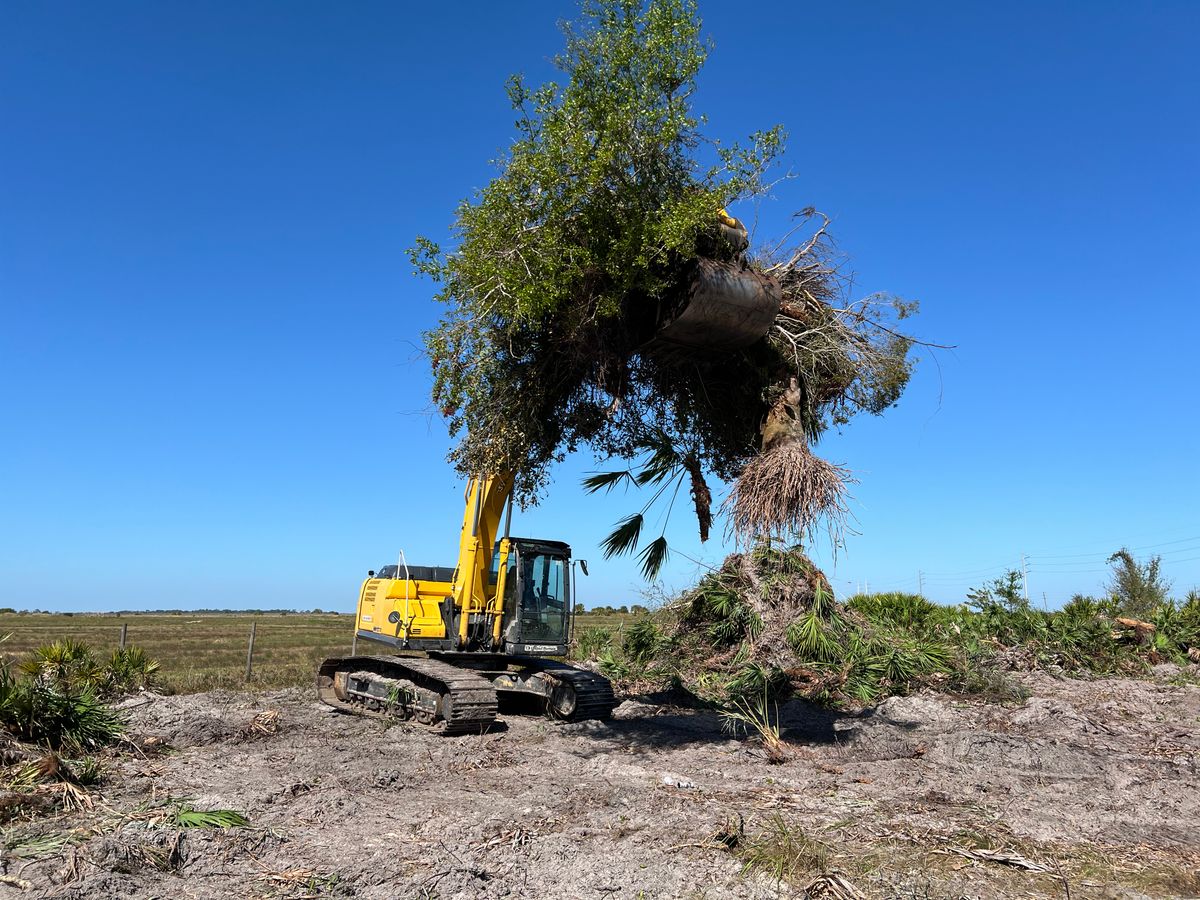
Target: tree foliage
<point x="561" y="269"/>
<point x="1139" y="588"/>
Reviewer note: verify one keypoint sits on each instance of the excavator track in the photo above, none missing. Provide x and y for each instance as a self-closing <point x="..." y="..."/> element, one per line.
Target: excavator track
<point x="590" y="697"/>
<point x="449" y="699"/>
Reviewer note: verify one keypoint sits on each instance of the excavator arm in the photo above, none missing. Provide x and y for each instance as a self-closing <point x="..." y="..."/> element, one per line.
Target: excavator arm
<point x="488" y="498"/>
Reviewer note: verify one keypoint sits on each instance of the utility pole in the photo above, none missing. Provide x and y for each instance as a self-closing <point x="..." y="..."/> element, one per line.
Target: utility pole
<point x="920" y="582"/>
<point x="1025" y="578"/>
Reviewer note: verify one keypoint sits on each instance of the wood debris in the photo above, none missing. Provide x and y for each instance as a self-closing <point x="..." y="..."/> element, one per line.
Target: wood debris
<point x="1001" y="857"/>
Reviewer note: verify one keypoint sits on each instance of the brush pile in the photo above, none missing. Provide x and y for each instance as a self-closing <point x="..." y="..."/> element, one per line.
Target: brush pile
<point x="598" y="295"/>
<point x="767" y="621"/>
<point x="767" y="624"/>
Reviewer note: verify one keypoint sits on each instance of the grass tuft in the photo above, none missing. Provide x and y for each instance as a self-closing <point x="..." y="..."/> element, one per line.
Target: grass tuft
<point x="757" y="718"/>
<point x="783" y="853"/>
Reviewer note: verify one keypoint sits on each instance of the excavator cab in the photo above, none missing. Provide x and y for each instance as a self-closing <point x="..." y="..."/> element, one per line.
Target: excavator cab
<point x="536" y="588"/>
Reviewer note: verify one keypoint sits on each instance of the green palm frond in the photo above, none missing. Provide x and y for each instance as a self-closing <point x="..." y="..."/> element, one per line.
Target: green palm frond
<point x="611" y="666"/>
<point x="810" y="638"/>
<point x="664" y="459"/>
<point x="654" y="557"/>
<point x="822" y="601"/>
<point x="642" y="641"/>
<point x="624" y="537"/>
<point x="606" y="480"/>
<point x="186" y="817"/>
<point x="656" y="469"/>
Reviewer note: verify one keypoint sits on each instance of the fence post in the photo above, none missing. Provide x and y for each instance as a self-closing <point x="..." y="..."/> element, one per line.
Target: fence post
<point x="250" y="650"/>
<point x="124" y="633"/>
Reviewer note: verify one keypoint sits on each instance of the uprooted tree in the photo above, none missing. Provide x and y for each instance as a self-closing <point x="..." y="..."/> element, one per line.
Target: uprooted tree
<point x="570" y="277"/>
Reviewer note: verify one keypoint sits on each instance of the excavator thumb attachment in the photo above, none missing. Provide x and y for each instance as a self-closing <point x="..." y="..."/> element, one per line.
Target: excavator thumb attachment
<point x="727" y="307"/>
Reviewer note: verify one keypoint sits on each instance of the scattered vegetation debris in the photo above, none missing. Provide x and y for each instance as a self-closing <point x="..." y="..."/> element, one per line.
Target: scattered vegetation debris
<point x="264" y="724"/>
<point x="45" y="783"/>
<point x="34" y="844"/>
<point x="1001" y="857"/>
<point x="311" y="882"/>
<point x="186" y="816"/>
<point x="833" y="886"/>
<point x="729" y="834"/>
<point x="878" y="839"/>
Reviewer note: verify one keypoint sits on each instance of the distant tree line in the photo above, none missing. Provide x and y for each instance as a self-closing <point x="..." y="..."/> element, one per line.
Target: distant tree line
<point x="635" y="609"/>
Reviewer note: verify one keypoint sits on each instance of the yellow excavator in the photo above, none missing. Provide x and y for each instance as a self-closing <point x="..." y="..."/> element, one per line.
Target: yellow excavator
<point x="487" y="629"/>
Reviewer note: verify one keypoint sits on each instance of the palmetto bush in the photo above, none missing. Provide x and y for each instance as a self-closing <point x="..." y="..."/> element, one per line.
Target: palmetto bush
<point x="69" y="665"/>
<point x="129" y="669"/>
<point x="896" y="609"/>
<point x="65" y="664"/>
<point x="642" y="641"/>
<point x="62" y="718"/>
<point x="56" y="697"/>
<point x="592" y="642"/>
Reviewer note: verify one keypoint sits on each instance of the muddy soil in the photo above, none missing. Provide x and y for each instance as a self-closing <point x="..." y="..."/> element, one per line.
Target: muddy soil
<point x="1085" y="789"/>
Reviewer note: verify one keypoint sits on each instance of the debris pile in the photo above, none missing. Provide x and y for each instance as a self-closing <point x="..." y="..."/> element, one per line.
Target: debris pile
<point x="767" y="622"/>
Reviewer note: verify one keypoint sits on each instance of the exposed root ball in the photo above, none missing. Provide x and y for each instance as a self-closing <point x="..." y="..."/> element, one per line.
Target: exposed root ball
<point x="787" y="490"/>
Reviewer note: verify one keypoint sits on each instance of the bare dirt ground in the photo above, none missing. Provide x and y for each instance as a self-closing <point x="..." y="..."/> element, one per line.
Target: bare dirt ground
<point x="1086" y="789"/>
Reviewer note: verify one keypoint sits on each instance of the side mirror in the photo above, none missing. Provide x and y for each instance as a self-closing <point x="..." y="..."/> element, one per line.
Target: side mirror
<point x="583" y="565"/>
<point x="370" y="573"/>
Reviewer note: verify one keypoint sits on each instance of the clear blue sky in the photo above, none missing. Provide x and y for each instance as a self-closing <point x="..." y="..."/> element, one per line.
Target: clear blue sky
<point x="209" y="385"/>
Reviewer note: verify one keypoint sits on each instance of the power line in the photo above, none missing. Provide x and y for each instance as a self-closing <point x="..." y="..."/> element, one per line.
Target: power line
<point x="1094" y="563"/>
<point x="1103" y="558"/>
<point x="1110" y="552"/>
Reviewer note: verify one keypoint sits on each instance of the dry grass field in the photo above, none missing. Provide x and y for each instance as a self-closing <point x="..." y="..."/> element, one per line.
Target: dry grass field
<point x="197" y="651"/>
<point x="203" y="651"/>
